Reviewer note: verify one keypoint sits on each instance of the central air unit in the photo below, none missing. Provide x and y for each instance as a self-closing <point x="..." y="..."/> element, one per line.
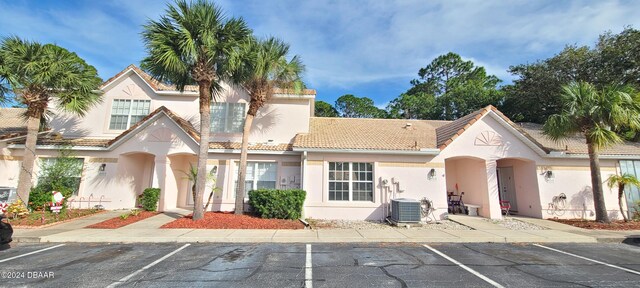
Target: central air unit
<point x="405" y="210"/>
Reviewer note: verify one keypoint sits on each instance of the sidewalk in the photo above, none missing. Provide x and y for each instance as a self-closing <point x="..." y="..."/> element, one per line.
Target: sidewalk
<point x="148" y="230"/>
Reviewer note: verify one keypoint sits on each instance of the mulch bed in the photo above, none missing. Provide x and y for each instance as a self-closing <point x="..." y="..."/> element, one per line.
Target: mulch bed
<point x="590" y="224"/>
<point x="118" y="222"/>
<point x="34" y="219"/>
<point x="228" y="220"/>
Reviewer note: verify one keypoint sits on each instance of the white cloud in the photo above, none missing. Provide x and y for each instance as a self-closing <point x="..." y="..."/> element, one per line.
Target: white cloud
<point x="345" y="43"/>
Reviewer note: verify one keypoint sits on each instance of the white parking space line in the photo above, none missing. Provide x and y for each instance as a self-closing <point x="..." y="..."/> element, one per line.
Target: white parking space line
<point x="589" y="259"/>
<point x="126" y="278"/>
<point x="474" y="272"/>
<point x="308" y="269"/>
<point x="31" y="253"/>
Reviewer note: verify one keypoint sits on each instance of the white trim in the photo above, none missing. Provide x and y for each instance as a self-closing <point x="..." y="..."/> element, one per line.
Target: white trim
<point x="372" y="151"/>
<point x="259" y="152"/>
<point x="293" y="96"/>
<point x="159" y="92"/>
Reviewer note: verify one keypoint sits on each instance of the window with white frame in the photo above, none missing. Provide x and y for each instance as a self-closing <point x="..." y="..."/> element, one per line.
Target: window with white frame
<point x="70" y="169"/>
<point x="260" y="175"/>
<point x="227" y="117"/>
<point x="350" y="181"/>
<point x="126" y="112"/>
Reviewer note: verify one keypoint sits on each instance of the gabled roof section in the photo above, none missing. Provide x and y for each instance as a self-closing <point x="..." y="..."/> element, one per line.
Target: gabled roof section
<point x="449" y="132"/>
<point x="158" y="86"/>
<point x="153" y="83"/>
<point x="183" y="124"/>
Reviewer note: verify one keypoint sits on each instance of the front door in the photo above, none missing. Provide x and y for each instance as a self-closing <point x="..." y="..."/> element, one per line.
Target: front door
<point x="507" y="186"/>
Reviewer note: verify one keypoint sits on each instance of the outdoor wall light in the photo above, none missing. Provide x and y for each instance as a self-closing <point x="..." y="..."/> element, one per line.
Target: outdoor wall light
<point x="214" y="170"/>
<point x="432" y="174"/>
<point x="103" y="167"/>
<point x="548" y="174"/>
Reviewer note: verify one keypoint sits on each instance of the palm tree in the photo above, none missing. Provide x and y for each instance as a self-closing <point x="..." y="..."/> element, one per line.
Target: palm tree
<point x="191" y="43"/>
<point x="595" y="115"/>
<point x="37" y="74"/>
<point x="622" y="181"/>
<point x="263" y="67"/>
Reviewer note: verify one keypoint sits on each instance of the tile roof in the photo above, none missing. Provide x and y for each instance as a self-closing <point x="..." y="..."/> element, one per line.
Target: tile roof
<point x="57" y="140"/>
<point x="576" y="144"/>
<point x="184" y="124"/>
<point x="369" y="134"/>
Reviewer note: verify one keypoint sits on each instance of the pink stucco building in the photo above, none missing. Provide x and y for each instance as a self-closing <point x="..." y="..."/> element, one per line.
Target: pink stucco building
<point x="145" y="134"/>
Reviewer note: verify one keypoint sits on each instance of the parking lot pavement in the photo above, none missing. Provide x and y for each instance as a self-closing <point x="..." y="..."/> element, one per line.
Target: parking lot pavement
<point x="327" y="265"/>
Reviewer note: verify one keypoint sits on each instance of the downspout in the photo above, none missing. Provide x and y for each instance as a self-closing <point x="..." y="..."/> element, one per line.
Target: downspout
<point x="303" y="178"/>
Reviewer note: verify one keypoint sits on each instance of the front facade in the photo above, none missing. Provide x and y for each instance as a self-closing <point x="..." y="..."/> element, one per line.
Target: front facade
<point x="145" y="134"/>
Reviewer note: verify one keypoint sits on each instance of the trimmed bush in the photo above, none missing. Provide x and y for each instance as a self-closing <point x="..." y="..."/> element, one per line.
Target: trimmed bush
<point x="280" y="204"/>
<point x="150" y="198"/>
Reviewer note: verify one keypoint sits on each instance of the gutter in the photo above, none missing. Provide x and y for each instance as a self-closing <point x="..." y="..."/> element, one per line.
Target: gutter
<point x="423" y="151"/>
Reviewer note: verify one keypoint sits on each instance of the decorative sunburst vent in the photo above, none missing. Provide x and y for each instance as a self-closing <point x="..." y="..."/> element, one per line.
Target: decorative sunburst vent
<point x="488" y="138"/>
<point x="161" y="135"/>
<point x="133" y="91"/>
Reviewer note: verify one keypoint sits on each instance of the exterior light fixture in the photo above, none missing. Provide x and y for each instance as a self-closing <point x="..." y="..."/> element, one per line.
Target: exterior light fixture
<point x="103" y="167"/>
<point x="214" y="170"/>
<point x="432" y="174"/>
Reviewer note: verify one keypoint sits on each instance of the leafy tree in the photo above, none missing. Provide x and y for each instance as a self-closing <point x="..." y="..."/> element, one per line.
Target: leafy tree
<point x="192" y="43"/>
<point x="534" y="95"/>
<point x="324" y="109"/>
<point x="458" y="87"/>
<point x="358" y="107"/>
<point x="36" y="74"/>
<point x="594" y="114"/>
<point x="412" y="106"/>
<point x="263" y="67"/>
<point x="622" y="181"/>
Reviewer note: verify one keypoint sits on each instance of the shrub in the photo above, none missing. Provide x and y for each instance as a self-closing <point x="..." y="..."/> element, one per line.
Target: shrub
<point x="281" y="204"/>
<point x="56" y="174"/>
<point x="17" y="209"/>
<point x="135" y="212"/>
<point x="124" y="216"/>
<point x="150" y="198"/>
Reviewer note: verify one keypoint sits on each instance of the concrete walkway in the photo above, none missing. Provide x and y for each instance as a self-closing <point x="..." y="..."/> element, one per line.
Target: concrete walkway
<point x="149" y="230"/>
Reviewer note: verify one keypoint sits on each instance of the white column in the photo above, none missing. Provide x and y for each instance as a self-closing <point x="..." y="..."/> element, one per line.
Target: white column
<point x="492" y="198"/>
<point x="160" y="168"/>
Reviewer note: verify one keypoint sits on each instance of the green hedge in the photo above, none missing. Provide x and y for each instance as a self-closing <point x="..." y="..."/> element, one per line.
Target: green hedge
<point x="280" y="204"/>
<point x="150" y="198"/>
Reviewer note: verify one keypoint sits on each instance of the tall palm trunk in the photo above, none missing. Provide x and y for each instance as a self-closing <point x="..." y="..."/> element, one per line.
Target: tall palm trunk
<point x="29" y="157"/>
<point x="620" y="195"/>
<point x="242" y="172"/>
<point x="203" y="153"/>
<point x="596" y="184"/>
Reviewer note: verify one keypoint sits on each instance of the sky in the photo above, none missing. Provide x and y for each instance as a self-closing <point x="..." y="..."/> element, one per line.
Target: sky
<point x="366" y="48"/>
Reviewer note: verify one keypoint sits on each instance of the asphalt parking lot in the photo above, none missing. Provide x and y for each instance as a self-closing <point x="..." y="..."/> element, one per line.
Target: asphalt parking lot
<point x="320" y="265"/>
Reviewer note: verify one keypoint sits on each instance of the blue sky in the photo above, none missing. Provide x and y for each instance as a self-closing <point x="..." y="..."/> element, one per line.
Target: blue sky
<point x="366" y="48"/>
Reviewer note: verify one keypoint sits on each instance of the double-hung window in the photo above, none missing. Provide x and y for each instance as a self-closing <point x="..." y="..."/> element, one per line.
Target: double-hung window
<point x="350" y="181"/>
<point x="67" y="171"/>
<point x="260" y="175"/>
<point x="126" y="112"/>
<point x="227" y="117"/>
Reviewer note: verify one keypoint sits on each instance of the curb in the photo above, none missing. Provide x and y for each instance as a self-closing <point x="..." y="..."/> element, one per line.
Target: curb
<point x="26" y="239"/>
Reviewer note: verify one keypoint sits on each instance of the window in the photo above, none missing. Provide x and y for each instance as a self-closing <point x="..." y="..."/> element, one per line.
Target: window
<point x="65" y="170"/>
<point x="260" y="175"/>
<point x="350" y="179"/>
<point x="227" y="117"/>
<point x="125" y="113"/>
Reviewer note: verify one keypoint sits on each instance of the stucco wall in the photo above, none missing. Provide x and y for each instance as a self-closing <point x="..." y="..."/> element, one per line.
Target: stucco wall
<point x="409" y="172"/>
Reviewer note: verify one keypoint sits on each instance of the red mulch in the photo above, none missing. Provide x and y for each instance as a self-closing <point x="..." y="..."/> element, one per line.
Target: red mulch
<point x="228" y="220"/>
<point x="590" y="224"/>
<point x="118" y="222"/>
